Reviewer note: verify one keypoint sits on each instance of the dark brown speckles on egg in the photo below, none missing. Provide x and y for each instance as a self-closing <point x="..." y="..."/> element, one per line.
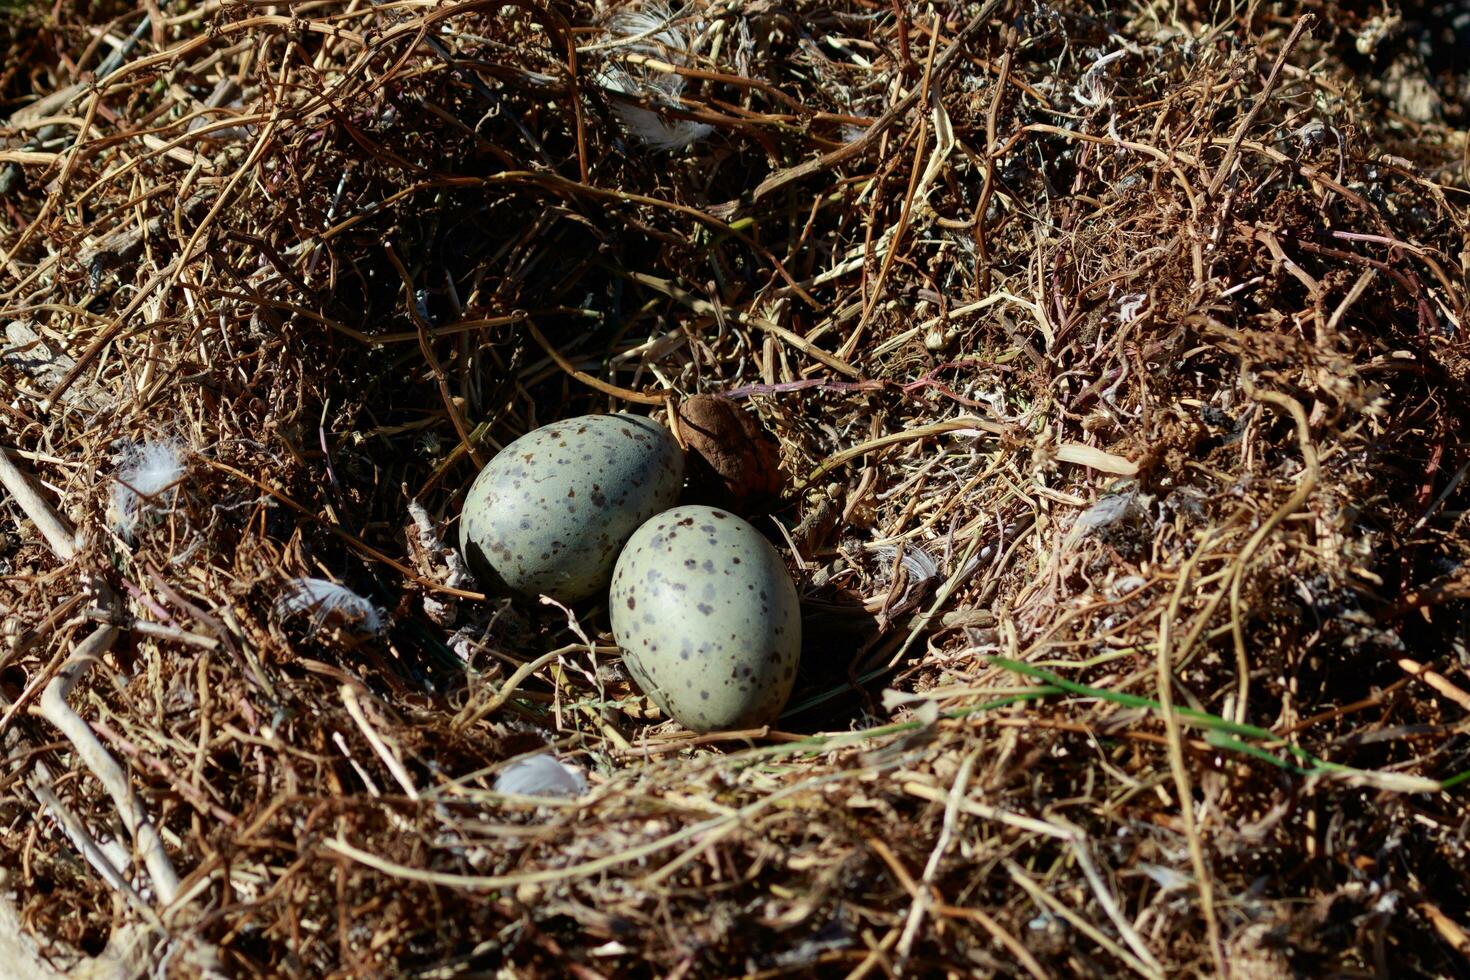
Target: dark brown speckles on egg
<point x="506" y="534"/>
<point x="715" y="628"/>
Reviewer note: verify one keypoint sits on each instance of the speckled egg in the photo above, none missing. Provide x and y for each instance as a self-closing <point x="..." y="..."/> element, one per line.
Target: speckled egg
<point x="707" y="618"/>
<point x="550" y="512"/>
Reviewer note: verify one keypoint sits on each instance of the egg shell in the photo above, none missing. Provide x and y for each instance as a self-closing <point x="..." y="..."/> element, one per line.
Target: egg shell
<point x="707" y="618"/>
<point x="550" y="512"/>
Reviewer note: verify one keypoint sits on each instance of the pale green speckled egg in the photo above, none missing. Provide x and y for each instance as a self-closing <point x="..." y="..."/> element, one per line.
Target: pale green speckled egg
<point x="707" y="618"/>
<point x="550" y="512"/>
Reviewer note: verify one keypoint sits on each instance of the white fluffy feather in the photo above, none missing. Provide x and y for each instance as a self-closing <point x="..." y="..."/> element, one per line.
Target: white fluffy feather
<point x="327" y="601"/>
<point x="651" y="32"/>
<point x="148" y="471"/>
<point x="920" y="565"/>
<point x="660" y="132"/>
<point x="541" y="775"/>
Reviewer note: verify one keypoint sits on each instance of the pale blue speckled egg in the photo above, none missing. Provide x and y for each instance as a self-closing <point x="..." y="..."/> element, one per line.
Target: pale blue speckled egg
<point x="549" y="514"/>
<point x="708" y="619"/>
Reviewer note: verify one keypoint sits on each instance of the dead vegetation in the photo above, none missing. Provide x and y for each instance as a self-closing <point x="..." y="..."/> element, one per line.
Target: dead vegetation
<point x="1115" y="362"/>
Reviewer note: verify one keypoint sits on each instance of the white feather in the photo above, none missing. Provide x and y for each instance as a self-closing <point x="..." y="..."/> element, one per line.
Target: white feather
<point x="541" y="775"/>
<point x="660" y="132"/>
<point x="1105" y="512"/>
<point x="326" y="601"/>
<point x="148" y="470"/>
<point x="651" y="32"/>
<point x="920" y="565"/>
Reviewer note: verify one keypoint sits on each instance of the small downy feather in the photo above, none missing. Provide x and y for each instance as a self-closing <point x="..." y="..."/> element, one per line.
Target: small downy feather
<point x="541" y="775"/>
<point x="149" y="469"/>
<point x="660" y="132"/>
<point x="918" y="562"/>
<point x="329" y="602"/>
<point x="651" y="32"/>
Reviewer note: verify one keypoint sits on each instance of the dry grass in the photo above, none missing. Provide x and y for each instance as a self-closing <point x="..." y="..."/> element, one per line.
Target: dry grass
<point x="1115" y="360"/>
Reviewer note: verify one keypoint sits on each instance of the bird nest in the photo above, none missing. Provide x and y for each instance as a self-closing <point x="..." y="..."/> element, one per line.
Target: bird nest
<point x="1115" y="363"/>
